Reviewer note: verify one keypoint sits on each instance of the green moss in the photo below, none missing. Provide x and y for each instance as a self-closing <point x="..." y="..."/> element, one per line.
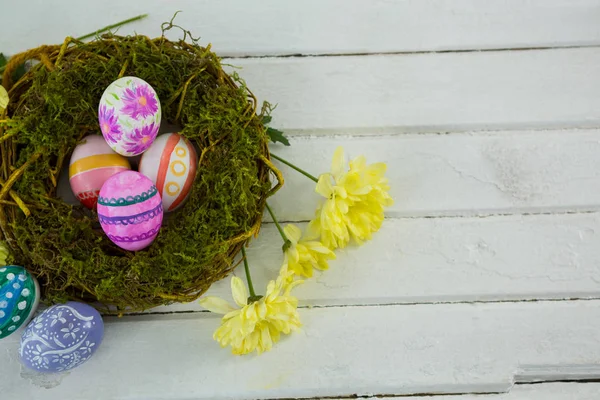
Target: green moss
<point x="64" y="246"/>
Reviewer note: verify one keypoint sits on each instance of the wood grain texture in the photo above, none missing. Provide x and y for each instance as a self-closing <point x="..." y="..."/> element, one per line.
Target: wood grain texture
<point x="476" y="173"/>
<point x="429" y="92"/>
<point x="435" y="260"/>
<point x="486" y="275"/>
<point x="272" y="27"/>
<point x="341" y="351"/>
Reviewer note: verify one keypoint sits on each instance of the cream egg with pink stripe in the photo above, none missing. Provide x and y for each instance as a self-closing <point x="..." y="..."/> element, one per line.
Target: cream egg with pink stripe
<point x="170" y="163"/>
<point x="92" y="163"/>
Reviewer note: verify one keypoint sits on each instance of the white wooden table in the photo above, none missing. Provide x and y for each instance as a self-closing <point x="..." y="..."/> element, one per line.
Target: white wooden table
<point x="484" y="282"/>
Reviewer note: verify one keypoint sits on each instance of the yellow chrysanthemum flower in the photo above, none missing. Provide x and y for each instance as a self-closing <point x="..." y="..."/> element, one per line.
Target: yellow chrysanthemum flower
<point x="3" y="254"/>
<point x="355" y="201"/>
<point x="304" y="255"/>
<point x="257" y="324"/>
<point x="372" y="176"/>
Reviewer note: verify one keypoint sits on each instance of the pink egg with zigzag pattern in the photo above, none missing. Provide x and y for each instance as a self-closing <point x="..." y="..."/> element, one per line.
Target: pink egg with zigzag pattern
<point x="130" y="210"/>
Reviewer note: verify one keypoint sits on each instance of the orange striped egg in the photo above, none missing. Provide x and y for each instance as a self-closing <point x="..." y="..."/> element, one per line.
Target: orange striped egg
<point x="170" y="163"/>
<point x="92" y="163"/>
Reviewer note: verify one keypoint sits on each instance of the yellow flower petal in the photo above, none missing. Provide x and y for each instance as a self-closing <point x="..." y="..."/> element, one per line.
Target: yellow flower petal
<point x="272" y="291"/>
<point x="234" y="313"/>
<point x="289" y="288"/>
<point x="301" y="269"/>
<point x="319" y="248"/>
<point x="257" y="326"/>
<point x="358" y="163"/>
<point x="216" y="305"/>
<point x="291" y="255"/>
<point x="313" y="230"/>
<point x="262" y="310"/>
<point x="304" y="256"/>
<point x="293" y="233"/>
<point x="265" y="339"/>
<point x="354" y="205"/>
<point x="239" y="292"/>
<point x="275" y="335"/>
<point x="324" y="186"/>
<point x="377" y="170"/>
<point x="286" y="276"/>
<point x="338" y="164"/>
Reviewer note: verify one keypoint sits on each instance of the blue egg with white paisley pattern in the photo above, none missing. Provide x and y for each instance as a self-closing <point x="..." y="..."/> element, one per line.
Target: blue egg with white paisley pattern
<point x="61" y="338"/>
<point x="19" y="298"/>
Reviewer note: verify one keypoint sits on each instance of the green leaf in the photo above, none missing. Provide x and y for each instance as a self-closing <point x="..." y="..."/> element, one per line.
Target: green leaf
<point x="115" y="96"/>
<point x="126" y="123"/>
<point x="274" y="134"/>
<point x="277" y="136"/>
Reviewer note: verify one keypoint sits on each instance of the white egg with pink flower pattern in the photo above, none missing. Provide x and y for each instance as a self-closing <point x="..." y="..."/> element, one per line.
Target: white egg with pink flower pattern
<point x="129" y="115"/>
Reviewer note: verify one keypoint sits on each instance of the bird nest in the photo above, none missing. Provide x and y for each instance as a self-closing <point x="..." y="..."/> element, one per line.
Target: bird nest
<point x="54" y="105"/>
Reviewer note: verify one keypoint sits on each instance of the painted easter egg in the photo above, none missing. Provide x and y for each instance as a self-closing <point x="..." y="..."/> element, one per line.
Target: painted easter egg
<point x="130" y="210"/>
<point x="171" y="164"/>
<point x="129" y="115"/>
<point x="19" y="298"/>
<point x="92" y="163"/>
<point x="61" y="338"/>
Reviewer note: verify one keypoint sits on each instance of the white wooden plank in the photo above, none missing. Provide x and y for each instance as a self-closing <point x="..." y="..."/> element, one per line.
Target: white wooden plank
<point x="341" y="351"/>
<point x="236" y="27"/>
<point x="430" y="92"/>
<point x="547" y="391"/>
<point x="470" y="174"/>
<point x="446" y="260"/>
<point x="457" y="174"/>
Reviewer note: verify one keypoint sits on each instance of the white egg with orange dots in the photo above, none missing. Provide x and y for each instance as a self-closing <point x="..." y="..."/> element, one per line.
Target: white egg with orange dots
<point x="171" y="164"/>
<point x="92" y="163"/>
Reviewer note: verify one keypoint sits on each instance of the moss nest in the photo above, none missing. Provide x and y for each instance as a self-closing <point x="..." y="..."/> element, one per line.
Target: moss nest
<point x="54" y="105"/>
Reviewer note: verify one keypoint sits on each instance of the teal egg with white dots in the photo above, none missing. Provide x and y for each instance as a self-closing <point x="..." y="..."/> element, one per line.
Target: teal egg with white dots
<point x="19" y="298"/>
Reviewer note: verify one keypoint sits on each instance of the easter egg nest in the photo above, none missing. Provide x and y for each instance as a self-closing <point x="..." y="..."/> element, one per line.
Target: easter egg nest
<point x="54" y="106"/>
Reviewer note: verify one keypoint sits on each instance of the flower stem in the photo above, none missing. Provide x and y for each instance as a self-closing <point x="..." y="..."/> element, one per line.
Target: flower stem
<point x="289" y="164"/>
<point x="109" y="27"/>
<point x="248" y="277"/>
<point x="286" y="241"/>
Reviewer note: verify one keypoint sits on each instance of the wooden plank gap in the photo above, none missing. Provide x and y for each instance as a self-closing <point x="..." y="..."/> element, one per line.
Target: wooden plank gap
<point x="538" y="374"/>
<point x="546" y="381"/>
<point x="380" y="305"/>
<point x="392" y="132"/>
<point x="394" y="396"/>
<point x="393" y="53"/>
<point x="392" y="215"/>
<point x="492" y="214"/>
<point x="441" y="394"/>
